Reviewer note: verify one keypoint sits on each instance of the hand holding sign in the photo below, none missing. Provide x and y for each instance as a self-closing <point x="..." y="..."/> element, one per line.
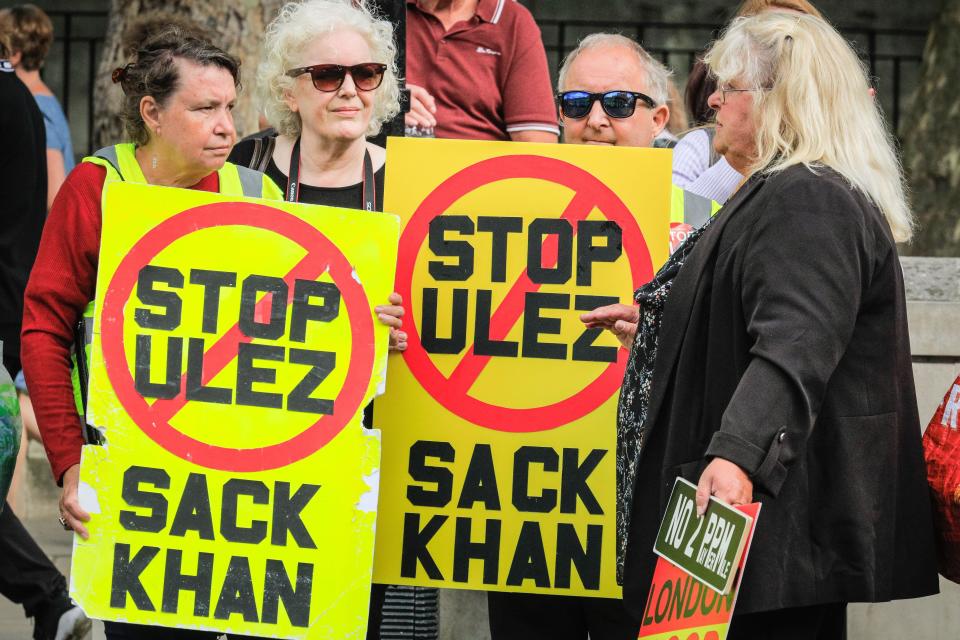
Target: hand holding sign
<point x="724" y="481"/>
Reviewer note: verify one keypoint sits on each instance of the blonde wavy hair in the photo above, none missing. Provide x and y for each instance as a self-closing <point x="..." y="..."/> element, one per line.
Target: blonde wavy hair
<point x="815" y="106"/>
<point x="299" y="23"/>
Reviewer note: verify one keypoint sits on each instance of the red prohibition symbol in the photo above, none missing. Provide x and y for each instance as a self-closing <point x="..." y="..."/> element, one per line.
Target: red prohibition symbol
<point x="453" y="392"/>
<point x="154" y="418"/>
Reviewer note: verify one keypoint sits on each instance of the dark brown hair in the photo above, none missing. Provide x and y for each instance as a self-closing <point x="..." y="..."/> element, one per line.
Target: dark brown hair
<point x="28" y="30"/>
<point x="156" y="42"/>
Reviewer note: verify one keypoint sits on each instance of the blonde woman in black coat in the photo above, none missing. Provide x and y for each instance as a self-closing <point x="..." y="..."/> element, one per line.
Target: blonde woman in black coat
<point x="770" y="357"/>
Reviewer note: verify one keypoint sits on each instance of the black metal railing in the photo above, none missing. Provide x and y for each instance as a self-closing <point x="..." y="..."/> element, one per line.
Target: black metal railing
<point x="893" y="57"/>
<point x="71" y="67"/>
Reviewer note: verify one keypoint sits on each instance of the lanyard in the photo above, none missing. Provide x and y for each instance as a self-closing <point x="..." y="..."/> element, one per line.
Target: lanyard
<point x="368" y="193"/>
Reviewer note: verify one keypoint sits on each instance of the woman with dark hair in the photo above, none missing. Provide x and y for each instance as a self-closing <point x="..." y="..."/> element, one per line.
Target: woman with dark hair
<point x="179" y="92"/>
<point x="30" y="33"/>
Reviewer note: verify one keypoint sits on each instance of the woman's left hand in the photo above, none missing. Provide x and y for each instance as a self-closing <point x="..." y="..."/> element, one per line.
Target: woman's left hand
<point x="390" y="315"/>
<point x="725" y="481"/>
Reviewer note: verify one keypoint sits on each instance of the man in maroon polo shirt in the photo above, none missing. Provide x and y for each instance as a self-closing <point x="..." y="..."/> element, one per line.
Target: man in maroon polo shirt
<point x="477" y="70"/>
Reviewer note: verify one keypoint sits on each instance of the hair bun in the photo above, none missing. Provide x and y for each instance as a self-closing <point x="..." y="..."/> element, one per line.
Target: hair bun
<point x="120" y="73"/>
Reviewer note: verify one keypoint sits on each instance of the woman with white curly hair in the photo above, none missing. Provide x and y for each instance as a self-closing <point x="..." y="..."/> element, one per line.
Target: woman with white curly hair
<point x="327" y="81"/>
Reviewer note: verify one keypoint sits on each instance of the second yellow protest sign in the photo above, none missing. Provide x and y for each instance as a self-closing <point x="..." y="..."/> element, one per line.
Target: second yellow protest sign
<point x="499" y="425"/>
<point x="235" y="347"/>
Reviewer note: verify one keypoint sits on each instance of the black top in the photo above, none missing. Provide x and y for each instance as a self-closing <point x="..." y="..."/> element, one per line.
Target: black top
<point x="784" y="349"/>
<point x="350" y="197"/>
<point x="23" y="183"/>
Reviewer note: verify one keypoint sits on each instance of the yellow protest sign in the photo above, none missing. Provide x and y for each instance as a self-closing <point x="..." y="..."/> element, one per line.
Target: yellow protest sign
<point x="235" y="347"/>
<point x="499" y="422"/>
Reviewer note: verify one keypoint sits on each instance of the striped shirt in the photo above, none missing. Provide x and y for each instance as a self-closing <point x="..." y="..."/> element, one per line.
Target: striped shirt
<point x="692" y="171"/>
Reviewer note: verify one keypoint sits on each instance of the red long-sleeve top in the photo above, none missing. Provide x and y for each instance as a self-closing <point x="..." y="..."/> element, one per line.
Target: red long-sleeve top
<point x="62" y="283"/>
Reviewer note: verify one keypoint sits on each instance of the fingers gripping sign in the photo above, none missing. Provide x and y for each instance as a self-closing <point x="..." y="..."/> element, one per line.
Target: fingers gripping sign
<point x="725" y="481"/>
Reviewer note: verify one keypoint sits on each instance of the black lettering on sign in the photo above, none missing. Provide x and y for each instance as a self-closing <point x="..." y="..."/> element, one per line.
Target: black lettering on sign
<point x="148" y="277"/>
<point x="133" y="495"/>
<point x="480" y="481"/>
<point x="443" y="248"/>
<point x="304" y="310"/>
<point x="522" y="459"/>
<point x="458" y="314"/>
<point x="248" y="374"/>
<point x="534" y="325"/>
<point x="193" y="512"/>
<point x="175" y="581"/>
<point x="589" y="253"/>
<point x="570" y="553"/>
<point x="229" y="527"/>
<point x="540" y="228"/>
<point x="482" y="344"/>
<point x="276" y="290"/>
<point x="529" y="560"/>
<point x="487" y="551"/>
<point x="286" y="514"/>
<point x="195" y="387"/>
<point x="296" y="600"/>
<point x="212" y="282"/>
<point x="322" y="364"/>
<point x="126" y="577"/>
<point x="573" y="483"/>
<point x="583" y="348"/>
<point x="420" y="471"/>
<point x="170" y="386"/>
<point x="236" y="596"/>
<point x="414" y="548"/>
<point x="499" y="227"/>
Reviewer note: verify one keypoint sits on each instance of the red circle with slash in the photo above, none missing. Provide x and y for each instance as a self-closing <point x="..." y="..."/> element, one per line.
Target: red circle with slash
<point x="455" y="397"/>
<point x="154" y="419"/>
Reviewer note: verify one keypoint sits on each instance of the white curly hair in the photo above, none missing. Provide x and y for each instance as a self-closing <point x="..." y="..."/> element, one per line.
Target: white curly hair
<point x="299" y="23"/>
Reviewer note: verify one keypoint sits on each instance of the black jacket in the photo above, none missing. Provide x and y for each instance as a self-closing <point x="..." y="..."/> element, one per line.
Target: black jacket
<point x="784" y="348"/>
<point x="23" y="183"/>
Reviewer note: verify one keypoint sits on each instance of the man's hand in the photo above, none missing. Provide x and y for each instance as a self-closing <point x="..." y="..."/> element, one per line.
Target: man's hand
<point x="619" y="319"/>
<point x="70" y="509"/>
<point x="725" y="481"/>
<point x="423" y="109"/>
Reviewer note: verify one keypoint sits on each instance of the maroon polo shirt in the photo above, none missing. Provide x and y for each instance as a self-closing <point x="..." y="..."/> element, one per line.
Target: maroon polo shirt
<point x="487" y="74"/>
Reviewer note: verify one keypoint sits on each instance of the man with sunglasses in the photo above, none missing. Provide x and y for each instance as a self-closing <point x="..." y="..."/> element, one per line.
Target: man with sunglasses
<point x="613" y="92"/>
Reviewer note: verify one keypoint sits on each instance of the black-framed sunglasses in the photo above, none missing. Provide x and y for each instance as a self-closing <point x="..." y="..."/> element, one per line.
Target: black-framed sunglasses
<point x="329" y="77"/>
<point x="616" y="104"/>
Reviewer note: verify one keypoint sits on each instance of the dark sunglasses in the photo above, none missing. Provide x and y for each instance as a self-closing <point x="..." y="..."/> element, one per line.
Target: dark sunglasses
<point x="329" y="77"/>
<point x="616" y="104"/>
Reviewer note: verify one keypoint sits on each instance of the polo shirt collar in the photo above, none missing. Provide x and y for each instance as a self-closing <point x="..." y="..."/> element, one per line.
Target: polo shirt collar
<point x="487" y="10"/>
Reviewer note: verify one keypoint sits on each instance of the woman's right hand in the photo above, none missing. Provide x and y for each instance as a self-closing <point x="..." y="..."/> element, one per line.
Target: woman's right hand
<point x="70" y="509"/>
<point x="422" y="109"/>
<point x="619" y="319"/>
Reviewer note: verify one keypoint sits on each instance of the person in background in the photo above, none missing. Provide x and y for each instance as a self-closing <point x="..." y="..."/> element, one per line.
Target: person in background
<point x="27" y="576"/>
<point x="327" y="81"/>
<point x="779" y="369"/>
<point x="31" y="33"/>
<point x="697" y="167"/>
<point x="477" y="70"/>
<point x="179" y="91"/>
